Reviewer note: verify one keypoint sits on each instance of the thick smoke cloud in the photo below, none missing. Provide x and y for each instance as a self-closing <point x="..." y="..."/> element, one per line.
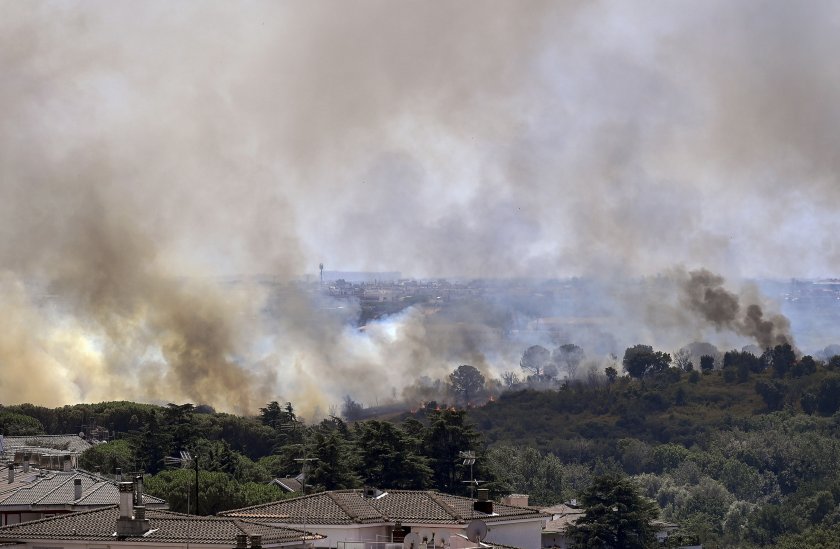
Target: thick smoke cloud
<point x="705" y="295"/>
<point x="148" y="152"/>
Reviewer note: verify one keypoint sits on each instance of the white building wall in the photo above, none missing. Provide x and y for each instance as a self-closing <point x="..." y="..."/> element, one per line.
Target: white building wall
<point x="526" y="534"/>
<point x="350" y="532"/>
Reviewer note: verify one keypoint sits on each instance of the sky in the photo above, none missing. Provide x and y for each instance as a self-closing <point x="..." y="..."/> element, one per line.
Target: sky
<point x="143" y="145"/>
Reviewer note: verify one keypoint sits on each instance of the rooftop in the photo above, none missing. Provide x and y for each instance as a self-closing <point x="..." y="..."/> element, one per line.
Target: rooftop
<point x="73" y="444"/>
<point x="56" y="489"/>
<point x="289" y="484"/>
<point x="562" y="516"/>
<point x="165" y="527"/>
<point x="407" y="506"/>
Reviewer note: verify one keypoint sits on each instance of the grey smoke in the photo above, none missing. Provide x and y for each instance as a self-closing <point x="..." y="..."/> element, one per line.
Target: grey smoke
<point x="706" y="295"/>
<point x="148" y="150"/>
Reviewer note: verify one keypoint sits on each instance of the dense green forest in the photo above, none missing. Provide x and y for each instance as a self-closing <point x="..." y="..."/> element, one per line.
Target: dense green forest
<point x="741" y="455"/>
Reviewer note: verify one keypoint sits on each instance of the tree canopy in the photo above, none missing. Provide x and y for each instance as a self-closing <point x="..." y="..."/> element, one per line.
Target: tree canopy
<point x="616" y="516"/>
<point x="535" y="360"/>
<point x="467" y="383"/>
<point x="641" y="360"/>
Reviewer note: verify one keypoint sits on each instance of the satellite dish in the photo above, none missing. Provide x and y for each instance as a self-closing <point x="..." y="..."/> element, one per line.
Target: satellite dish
<point x="476" y="530"/>
<point x="411" y="541"/>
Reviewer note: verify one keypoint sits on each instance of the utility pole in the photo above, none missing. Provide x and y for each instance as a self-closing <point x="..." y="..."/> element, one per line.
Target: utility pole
<point x="305" y="470"/>
<point x="195" y="462"/>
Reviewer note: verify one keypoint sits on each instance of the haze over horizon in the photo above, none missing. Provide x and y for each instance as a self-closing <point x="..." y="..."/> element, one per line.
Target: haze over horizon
<point x="141" y="143"/>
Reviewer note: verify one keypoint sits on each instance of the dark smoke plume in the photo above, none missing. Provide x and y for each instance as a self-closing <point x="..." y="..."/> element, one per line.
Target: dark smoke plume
<point x="704" y="294"/>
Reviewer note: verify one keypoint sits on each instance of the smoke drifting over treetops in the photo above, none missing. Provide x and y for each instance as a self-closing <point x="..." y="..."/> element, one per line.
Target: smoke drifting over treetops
<point x="145" y="151"/>
<point x="705" y="294"/>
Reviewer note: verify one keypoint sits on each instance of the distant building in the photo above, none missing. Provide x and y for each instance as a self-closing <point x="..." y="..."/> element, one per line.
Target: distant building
<point x="358" y="277"/>
<point x="554" y="534"/>
<point x="36" y="449"/>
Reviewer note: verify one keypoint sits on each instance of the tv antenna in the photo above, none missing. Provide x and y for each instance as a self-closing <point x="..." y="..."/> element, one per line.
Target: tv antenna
<point x="469" y="459"/>
<point x="186" y="460"/>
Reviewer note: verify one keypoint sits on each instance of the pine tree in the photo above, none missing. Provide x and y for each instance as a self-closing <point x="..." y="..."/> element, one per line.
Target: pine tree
<point x="616" y="517"/>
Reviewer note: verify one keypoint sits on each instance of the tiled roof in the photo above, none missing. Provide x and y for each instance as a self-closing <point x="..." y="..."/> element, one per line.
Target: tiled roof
<point x="562" y="516"/>
<point x="164" y="527"/>
<point x="56" y="489"/>
<point x="72" y="444"/>
<point x="289" y="484"/>
<point x="560" y="509"/>
<point x="408" y="506"/>
<point x="21" y="479"/>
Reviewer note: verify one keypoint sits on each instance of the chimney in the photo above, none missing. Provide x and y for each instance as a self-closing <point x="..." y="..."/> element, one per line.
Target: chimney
<point x="26" y="457"/>
<point x="516" y="500"/>
<point x="256" y="541"/>
<point x="483" y="504"/>
<point x="132" y="522"/>
<point x="77" y="488"/>
<point x="126" y="499"/>
<point x="11" y="467"/>
<point x="241" y="541"/>
<point x="118" y="474"/>
<point x="138" y="490"/>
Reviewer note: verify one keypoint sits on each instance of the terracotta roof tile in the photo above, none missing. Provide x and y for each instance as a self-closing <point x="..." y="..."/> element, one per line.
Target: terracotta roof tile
<point x="56" y="488"/>
<point x="349" y="506"/>
<point x="165" y="526"/>
<point x="289" y="484"/>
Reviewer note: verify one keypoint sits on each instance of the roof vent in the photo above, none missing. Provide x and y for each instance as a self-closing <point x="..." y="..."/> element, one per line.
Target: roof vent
<point x="372" y="493"/>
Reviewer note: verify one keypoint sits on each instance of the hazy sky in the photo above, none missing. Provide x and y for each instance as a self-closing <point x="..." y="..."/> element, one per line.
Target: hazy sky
<point x="144" y="140"/>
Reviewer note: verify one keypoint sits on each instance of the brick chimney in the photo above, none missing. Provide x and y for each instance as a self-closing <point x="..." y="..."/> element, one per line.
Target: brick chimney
<point x="11" y="467"/>
<point x="256" y="541"/>
<point x="516" y="500"/>
<point x="483" y="504"/>
<point x="77" y="488"/>
<point x="241" y="541"/>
